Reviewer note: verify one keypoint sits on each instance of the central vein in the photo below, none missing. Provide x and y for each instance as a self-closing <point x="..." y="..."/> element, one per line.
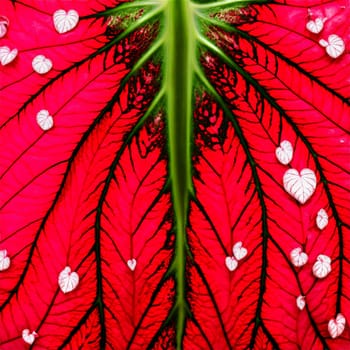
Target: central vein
<point x="179" y="58"/>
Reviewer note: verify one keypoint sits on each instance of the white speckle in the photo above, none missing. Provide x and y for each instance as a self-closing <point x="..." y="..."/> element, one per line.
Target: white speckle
<point x="132" y="264"/>
<point x="5" y="261"/>
<point x="44" y="120"/>
<point x="239" y="251"/>
<point x="68" y="280"/>
<point x="315" y="26"/>
<point x="4" y="23"/>
<point x="28" y="337"/>
<point x="322" y="219"/>
<point x="231" y="263"/>
<point x="65" y="21"/>
<point x="336" y="326"/>
<point x="323" y="43"/>
<point x="300" y="186"/>
<point x="7" y="55"/>
<point x="298" y="257"/>
<point x="41" y="64"/>
<point x="342" y="141"/>
<point x="322" y="266"/>
<point x="300" y="302"/>
<point x="284" y="153"/>
<point x="335" y="45"/>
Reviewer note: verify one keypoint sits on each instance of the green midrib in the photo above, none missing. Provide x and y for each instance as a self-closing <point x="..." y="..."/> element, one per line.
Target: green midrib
<point x="179" y="58"/>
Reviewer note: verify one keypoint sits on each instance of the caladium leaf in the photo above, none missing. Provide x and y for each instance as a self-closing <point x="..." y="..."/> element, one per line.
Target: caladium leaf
<point x="174" y="174"/>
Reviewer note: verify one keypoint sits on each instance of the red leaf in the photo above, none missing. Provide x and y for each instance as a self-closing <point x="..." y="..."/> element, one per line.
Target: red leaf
<point x="282" y="28"/>
<point x="66" y="189"/>
<point x="34" y="20"/>
<point x="228" y="211"/>
<point x="90" y="249"/>
<point x="270" y="96"/>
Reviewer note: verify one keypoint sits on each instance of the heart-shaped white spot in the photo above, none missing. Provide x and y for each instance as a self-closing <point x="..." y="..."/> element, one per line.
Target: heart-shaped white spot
<point x="5" y="261"/>
<point x="322" y="219"/>
<point x="315" y="26"/>
<point x="300" y="186"/>
<point x="335" y="45"/>
<point x="65" y="21"/>
<point x="231" y="263"/>
<point x="68" y="280"/>
<point x="41" y="64"/>
<point x="7" y="55"/>
<point x="322" y="266"/>
<point x="298" y="257"/>
<point x="4" y="23"/>
<point x="44" y="120"/>
<point x="28" y="337"/>
<point x="239" y="251"/>
<point x="336" y="326"/>
<point x="284" y="153"/>
<point x="132" y="264"/>
<point x="300" y="302"/>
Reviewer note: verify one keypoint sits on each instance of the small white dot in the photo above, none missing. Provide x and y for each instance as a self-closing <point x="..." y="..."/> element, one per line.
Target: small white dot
<point x="68" y="280"/>
<point x="5" y="260"/>
<point x="4" y="23"/>
<point x="41" y="64"/>
<point x="334" y="46"/>
<point x="298" y="257"/>
<point x="132" y="264"/>
<point x="284" y="152"/>
<point x="336" y="326"/>
<point x="315" y="26"/>
<point x="300" y="302"/>
<point x="322" y="219"/>
<point x="44" y="120"/>
<point x="65" y="21"/>
<point x="28" y="337"/>
<point x="239" y="251"/>
<point x="322" y="266"/>
<point x="231" y="263"/>
<point x="7" y="55"/>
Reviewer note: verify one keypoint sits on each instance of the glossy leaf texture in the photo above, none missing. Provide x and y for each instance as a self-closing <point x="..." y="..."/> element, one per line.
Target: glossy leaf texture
<point x="270" y="82"/>
<point x="92" y="250"/>
<point x="89" y="193"/>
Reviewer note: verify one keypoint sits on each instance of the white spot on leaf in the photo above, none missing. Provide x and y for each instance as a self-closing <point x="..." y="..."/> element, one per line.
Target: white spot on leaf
<point x="5" y="261"/>
<point x="65" y="21"/>
<point x="335" y="45"/>
<point x="132" y="264"/>
<point x="336" y="326"/>
<point x="231" y="263"/>
<point x="300" y="302"/>
<point x="239" y="251"/>
<point x="44" y="120"/>
<point x="7" y="55"/>
<point x="68" y="280"/>
<point x="41" y="64"/>
<point x="28" y="337"/>
<point x="4" y="23"/>
<point x="300" y="186"/>
<point x="315" y="26"/>
<point x="284" y="153"/>
<point x="322" y="266"/>
<point x="298" y="257"/>
<point x="322" y="219"/>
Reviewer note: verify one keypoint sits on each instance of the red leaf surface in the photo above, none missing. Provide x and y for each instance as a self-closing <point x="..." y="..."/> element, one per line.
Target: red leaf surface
<point x="92" y="191"/>
<point x="277" y="84"/>
<point x="218" y="221"/>
<point x="88" y="193"/>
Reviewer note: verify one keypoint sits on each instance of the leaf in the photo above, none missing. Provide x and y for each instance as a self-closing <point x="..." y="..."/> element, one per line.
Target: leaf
<point x="143" y="151"/>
